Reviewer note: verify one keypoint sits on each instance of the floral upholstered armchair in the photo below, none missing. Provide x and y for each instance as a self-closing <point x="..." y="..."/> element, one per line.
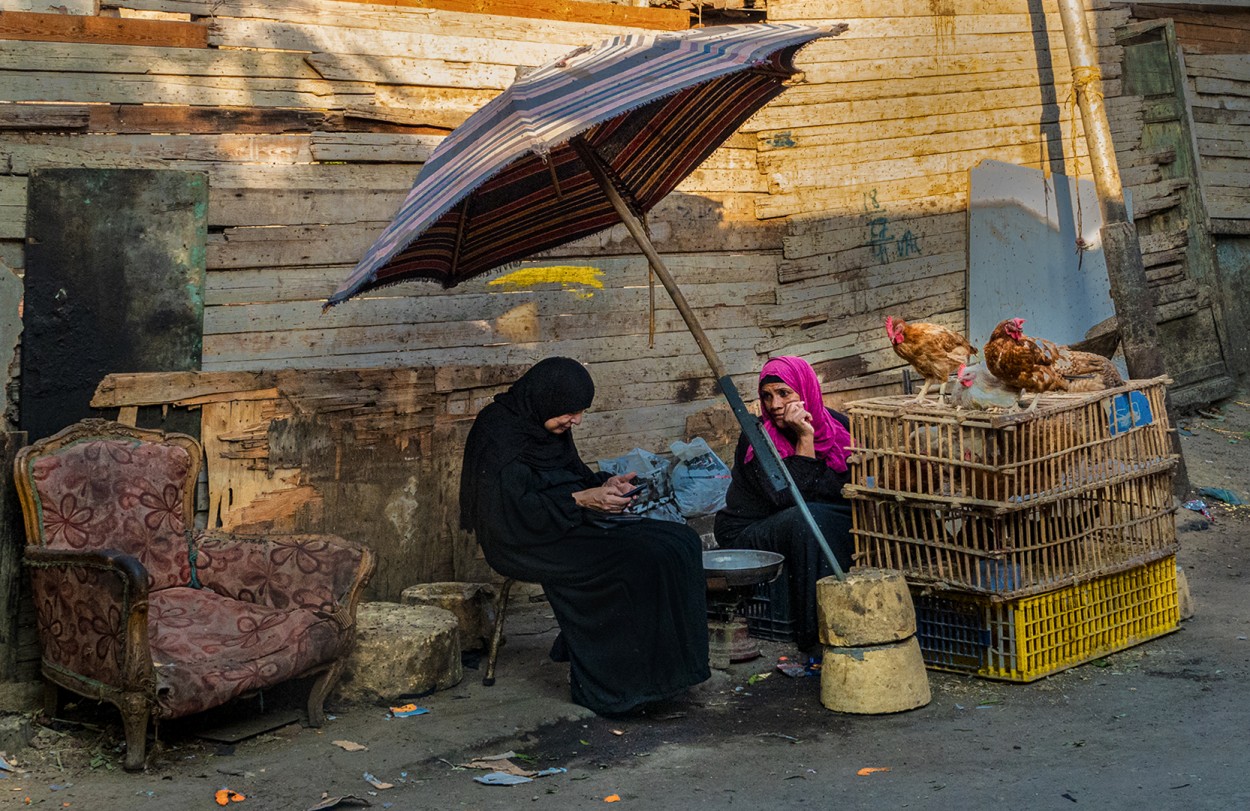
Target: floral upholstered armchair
<point x="135" y="608"/>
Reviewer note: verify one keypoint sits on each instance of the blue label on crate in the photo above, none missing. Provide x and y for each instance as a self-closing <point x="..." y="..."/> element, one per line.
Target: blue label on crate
<point x="1129" y="411"/>
<point x="997" y="575"/>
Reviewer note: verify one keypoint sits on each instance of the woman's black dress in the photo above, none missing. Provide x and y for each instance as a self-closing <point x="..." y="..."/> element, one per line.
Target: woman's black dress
<point x="630" y="599"/>
<point x="755" y="517"/>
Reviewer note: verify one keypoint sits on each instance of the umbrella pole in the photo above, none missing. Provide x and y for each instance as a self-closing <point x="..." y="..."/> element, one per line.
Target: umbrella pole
<point x="778" y="474"/>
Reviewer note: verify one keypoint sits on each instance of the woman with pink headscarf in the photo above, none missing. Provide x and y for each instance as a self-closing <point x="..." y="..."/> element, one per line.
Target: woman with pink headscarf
<point x="814" y="444"/>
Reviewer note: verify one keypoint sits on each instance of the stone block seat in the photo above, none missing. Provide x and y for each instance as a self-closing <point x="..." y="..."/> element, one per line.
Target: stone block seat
<point x="401" y="650"/>
<point x="472" y="603"/>
<point x="135" y="608"/>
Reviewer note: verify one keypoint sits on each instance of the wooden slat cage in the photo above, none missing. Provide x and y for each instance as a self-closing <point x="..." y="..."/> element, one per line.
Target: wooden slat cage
<point x="1009" y="505"/>
<point x="1012" y="554"/>
<point x="1007" y="461"/>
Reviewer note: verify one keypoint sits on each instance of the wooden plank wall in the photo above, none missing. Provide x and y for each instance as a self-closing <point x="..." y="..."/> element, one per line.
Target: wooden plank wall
<point x="840" y="203"/>
<point x="868" y="162"/>
<point x="843" y="201"/>
<point x="1216" y="47"/>
<point x="369" y="454"/>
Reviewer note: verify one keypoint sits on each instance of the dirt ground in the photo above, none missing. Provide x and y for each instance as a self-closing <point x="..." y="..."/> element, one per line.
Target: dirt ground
<point x="1162" y="725"/>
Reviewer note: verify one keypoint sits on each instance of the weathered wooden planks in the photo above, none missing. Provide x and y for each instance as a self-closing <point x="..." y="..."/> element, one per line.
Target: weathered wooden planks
<point x="563" y="10"/>
<point x="251" y="33"/>
<point x="889" y="9"/>
<point x="1220" y="95"/>
<point x="21" y="25"/>
<point x="402" y="70"/>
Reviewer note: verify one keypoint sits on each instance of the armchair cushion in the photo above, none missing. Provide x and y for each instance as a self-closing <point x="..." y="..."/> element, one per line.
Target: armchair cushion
<point x="208" y="648"/>
<point x="278" y="571"/>
<point x="121" y="494"/>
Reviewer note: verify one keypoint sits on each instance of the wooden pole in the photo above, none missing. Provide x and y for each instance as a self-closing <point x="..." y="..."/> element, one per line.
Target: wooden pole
<point x="776" y="471"/>
<point x="632" y="223"/>
<point x="1130" y="290"/>
<point x="1134" y="304"/>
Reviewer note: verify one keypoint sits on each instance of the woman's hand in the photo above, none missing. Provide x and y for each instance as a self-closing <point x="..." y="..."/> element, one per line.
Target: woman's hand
<point x="607" y="497"/>
<point x="798" y="420"/>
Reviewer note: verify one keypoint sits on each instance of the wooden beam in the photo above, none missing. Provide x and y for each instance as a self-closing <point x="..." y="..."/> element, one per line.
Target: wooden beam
<point x="568" y="10"/>
<point x="32" y="27"/>
<point x="141" y="119"/>
<point x="44" y="117"/>
<point x="164" y="388"/>
<point x="565" y="10"/>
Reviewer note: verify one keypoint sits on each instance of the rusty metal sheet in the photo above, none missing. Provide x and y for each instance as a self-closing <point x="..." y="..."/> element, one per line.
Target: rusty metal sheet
<point x="115" y="264"/>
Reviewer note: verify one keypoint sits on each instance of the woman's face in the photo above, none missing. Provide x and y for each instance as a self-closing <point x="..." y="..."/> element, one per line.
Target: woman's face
<point x="562" y="423"/>
<point x="774" y="397"/>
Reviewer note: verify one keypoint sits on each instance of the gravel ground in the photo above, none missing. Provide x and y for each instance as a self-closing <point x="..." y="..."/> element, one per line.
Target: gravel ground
<point x="1161" y="725"/>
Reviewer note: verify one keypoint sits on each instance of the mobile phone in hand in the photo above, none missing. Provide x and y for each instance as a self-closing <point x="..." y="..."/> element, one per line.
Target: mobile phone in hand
<point x="636" y="490"/>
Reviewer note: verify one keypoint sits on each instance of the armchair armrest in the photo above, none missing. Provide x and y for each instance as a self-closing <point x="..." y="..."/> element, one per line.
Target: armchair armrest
<point x="320" y="572"/>
<point x="91" y="608"/>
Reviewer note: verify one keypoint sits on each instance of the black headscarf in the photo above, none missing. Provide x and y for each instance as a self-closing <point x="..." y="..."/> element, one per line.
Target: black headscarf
<point x="511" y="428"/>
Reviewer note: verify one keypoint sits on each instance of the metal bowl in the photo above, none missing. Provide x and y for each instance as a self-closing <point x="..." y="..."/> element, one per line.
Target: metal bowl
<point x="731" y="568"/>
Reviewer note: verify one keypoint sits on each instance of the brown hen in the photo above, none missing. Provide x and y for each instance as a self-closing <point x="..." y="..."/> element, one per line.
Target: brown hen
<point x="932" y="350"/>
<point x="1021" y="362"/>
<point x="1037" y="365"/>
<point x="1084" y="371"/>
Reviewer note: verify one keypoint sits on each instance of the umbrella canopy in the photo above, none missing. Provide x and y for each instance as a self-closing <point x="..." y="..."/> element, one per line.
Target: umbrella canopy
<point x="595" y="138"/>
<point x="509" y="183"/>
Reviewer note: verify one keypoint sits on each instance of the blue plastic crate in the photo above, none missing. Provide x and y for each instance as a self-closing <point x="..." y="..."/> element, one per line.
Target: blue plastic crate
<point x="952" y="633"/>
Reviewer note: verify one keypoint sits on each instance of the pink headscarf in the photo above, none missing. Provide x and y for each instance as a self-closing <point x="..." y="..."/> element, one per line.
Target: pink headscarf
<point x="832" y="440"/>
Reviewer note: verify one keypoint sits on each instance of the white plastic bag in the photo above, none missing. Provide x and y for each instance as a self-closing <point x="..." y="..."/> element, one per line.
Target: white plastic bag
<point x="700" y="479"/>
<point x="657" y="500"/>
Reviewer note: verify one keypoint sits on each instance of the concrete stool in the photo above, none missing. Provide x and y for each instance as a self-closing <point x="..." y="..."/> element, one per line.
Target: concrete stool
<point x="872" y="662"/>
<point x="401" y="649"/>
<point x="472" y="603"/>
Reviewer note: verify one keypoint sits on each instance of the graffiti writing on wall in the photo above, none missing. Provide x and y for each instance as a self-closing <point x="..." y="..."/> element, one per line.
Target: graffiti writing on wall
<point x="885" y="240"/>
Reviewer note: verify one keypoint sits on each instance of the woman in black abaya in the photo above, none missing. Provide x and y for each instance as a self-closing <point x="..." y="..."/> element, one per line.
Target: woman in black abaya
<point x="629" y="596"/>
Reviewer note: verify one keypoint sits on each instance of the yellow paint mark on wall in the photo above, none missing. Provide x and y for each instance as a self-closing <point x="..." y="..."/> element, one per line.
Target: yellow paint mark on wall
<point x="580" y="281"/>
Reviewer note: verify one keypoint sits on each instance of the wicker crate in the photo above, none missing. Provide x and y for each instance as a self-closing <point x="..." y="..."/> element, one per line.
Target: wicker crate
<point x="1012" y="554"/>
<point x="1023" y="640"/>
<point x="1008" y="461"/>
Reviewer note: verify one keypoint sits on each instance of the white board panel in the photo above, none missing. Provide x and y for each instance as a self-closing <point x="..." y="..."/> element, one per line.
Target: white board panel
<point x="1022" y="254"/>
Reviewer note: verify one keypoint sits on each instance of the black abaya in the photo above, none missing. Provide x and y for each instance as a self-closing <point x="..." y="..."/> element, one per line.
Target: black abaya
<point x="755" y="517"/>
<point x="629" y="599"/>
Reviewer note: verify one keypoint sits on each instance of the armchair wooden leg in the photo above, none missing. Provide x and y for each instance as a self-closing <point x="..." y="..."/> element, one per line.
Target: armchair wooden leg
<point x="501" y="608"/>
<point x="320" y="691"/>
<point x="135" y="711"/>
<point x="51" y="699"/>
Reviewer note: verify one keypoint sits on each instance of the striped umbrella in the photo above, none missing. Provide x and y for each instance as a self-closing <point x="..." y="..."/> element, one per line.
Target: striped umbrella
<point x="510" y="181"/>
<point x="595" y="138"/>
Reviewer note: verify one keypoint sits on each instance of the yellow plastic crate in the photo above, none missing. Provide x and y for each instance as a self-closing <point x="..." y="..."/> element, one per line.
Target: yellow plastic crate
<point x="1024" y="639"/>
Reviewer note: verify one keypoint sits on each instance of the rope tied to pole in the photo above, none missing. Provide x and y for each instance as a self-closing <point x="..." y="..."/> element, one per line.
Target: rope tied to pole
<point x="1087" y="82"/>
